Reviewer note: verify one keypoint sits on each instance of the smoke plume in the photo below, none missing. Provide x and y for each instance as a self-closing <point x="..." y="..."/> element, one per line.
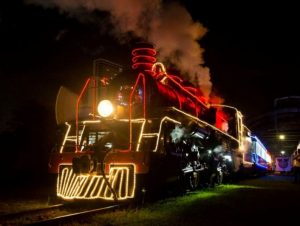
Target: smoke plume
<point x="168" y="26"/>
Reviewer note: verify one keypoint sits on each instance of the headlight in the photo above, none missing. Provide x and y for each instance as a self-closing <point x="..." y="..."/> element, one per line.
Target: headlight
<point x="105" y="108"/>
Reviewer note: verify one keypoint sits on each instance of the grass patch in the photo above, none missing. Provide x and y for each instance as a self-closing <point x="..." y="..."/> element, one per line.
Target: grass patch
<point x="172" y="211"/>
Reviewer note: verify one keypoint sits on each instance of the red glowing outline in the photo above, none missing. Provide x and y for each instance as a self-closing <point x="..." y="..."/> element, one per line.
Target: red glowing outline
<point x="94" y="97"/>
<point x="186" y="90"/>
<point x="144" y="57"/>
<point x="77" y="109"/>
<point x="151" y="51"/>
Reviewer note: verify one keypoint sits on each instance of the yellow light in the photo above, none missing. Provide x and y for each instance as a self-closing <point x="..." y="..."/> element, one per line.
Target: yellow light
<point x="161" y="65"/>
<point x="67" y="138"/>
<point x="281" y="137"/>
<point x="105" y="108"/>
<point x="122" y="179"/>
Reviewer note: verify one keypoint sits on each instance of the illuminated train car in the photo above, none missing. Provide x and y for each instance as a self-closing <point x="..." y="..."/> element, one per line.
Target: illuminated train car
<point x="257" y="158"/>
<point x="153" y="131"/>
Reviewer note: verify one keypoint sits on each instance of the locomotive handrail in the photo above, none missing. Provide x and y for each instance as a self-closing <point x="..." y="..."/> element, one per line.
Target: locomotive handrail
<point x="77" y="109"/>
<point x="205" y="123"/>
<point x="190" y="91"/>
<point x="187" y="91"/>
<point x="66" y="137"/>
<point x="130" y="104"/>
<point x="240" y="124"/>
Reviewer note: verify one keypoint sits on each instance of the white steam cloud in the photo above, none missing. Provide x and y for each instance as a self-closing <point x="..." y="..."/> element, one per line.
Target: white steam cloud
<point x="168" y="26"/>
<point x="177" y="134"/>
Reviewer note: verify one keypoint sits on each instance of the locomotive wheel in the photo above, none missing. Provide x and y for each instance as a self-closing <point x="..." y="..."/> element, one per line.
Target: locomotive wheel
<point x="216" y="179"/>
<point x="212" y="180"/>
<point x="142" y="192"/>
<point x="86" y="164"/>
<point x="219" y="178"/>
<point x="193" y="180"/>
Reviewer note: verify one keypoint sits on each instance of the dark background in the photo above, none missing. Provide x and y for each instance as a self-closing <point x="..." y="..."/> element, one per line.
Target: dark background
<point x="252" y="51"/>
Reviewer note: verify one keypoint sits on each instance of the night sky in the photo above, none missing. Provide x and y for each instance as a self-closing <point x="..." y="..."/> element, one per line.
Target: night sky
<point x="252" y="52"/>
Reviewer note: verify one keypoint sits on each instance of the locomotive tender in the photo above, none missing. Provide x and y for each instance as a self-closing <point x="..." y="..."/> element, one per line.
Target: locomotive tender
<point x="143" y="130"/>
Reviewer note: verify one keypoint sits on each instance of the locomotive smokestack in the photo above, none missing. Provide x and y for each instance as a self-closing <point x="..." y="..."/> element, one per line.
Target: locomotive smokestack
<point x="143" y="56"/>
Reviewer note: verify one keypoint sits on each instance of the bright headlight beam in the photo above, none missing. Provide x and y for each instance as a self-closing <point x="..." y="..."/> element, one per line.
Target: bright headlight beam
<point x="105" y="108"/>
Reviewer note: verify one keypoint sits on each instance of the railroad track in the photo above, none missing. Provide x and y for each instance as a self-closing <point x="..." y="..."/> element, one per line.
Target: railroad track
<point x="74" y="216"/>
<point x="8" y="218"/>
<point x="51" y="215"/>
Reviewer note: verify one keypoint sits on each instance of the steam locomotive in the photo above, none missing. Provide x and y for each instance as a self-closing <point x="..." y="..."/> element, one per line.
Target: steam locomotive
<point x="144" y="130"/>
